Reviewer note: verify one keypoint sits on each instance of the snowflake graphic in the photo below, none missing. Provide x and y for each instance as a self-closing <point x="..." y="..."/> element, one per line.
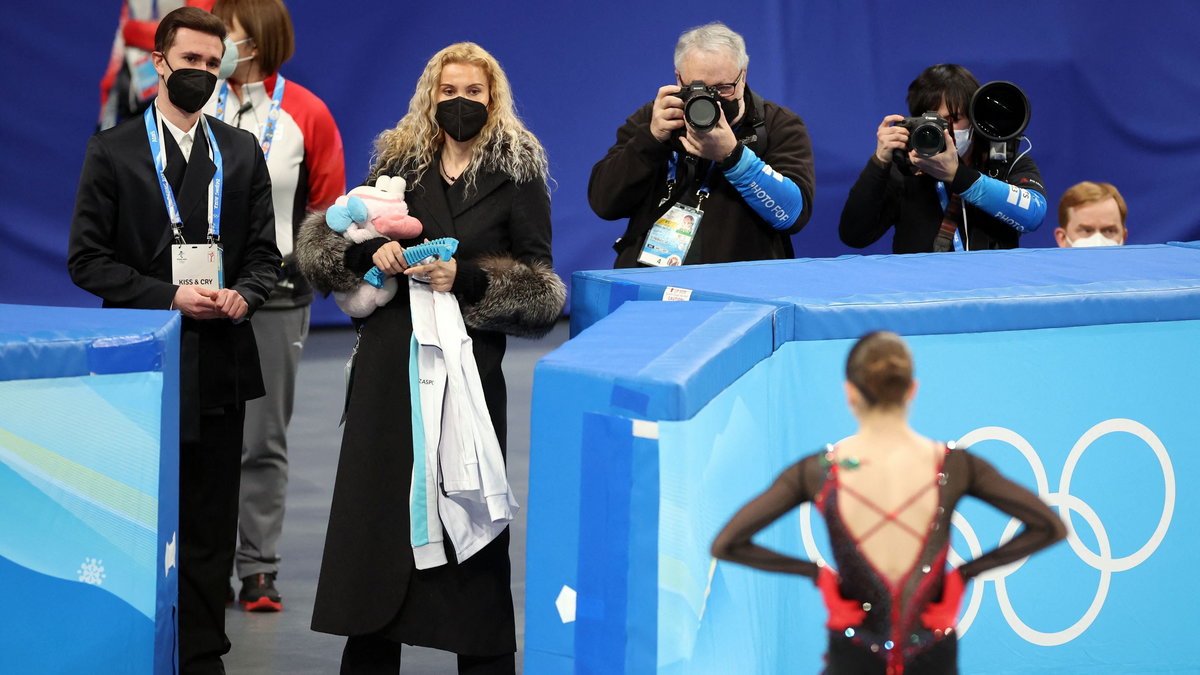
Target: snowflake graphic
<point x="91" y="571"/>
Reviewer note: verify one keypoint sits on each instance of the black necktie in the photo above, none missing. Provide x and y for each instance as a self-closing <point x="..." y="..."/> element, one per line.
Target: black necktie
<point x="193" y="190"/>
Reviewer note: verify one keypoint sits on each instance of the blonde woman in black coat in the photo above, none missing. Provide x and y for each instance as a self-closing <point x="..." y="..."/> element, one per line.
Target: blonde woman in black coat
<point x="475" y="173"/>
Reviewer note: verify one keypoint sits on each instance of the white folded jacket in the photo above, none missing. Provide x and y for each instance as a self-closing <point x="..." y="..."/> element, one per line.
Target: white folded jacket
<point x="459" y="482"/>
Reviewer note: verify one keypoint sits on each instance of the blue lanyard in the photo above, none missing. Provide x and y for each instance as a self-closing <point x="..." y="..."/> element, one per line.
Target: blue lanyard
<point x="267" y="132"/>
<point x="944" y="198"/>
<point x="214" y="188"/>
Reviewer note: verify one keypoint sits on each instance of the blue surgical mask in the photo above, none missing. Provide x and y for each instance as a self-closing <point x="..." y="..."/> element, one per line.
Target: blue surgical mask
<point x="962" y="140"/>
<point x="231" y="59"/>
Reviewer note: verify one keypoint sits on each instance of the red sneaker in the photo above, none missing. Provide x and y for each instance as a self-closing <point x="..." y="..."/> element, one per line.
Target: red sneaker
<point x="258" y="594"/>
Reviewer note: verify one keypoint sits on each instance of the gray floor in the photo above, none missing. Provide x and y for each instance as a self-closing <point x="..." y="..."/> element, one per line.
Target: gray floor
<point x="282" y="642"/>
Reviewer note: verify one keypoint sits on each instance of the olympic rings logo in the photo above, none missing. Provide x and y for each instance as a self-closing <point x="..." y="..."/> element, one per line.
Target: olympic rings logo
<point x="1104" y="562"/>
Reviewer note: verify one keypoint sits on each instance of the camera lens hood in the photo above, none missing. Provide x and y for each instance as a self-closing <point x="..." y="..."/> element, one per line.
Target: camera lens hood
<point x="999" y="111"/>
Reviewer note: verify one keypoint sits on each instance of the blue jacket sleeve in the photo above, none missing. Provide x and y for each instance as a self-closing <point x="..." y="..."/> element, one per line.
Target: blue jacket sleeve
<point x="773" y="196"/>
<point x="1021" y="209"/>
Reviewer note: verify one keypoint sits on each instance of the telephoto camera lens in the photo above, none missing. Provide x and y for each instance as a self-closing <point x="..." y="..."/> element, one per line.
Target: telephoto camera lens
<point x="999" y="110"/>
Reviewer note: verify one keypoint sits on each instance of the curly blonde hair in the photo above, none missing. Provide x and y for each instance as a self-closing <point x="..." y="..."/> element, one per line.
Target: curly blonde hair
<point x="504" y="145"/>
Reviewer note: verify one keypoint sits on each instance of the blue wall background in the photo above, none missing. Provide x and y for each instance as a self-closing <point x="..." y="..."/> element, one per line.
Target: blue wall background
<point x="1113" y="88"/>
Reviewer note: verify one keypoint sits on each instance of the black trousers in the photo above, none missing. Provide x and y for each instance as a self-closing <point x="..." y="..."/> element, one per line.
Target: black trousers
<point x="376" y="655"/>
<point x="209" y="472"/>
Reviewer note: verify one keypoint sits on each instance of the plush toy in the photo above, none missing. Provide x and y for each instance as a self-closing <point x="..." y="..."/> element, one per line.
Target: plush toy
<point x="370" y="212"/>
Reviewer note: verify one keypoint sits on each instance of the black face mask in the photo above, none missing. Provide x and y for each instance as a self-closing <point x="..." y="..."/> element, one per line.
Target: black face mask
<point x="190" y="88"/>
<point x="461" y="118"/>
<point x="730" y="108"/>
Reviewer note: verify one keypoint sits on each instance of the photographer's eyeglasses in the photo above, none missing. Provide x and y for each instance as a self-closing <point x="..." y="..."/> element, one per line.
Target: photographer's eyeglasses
<point x="725" y="90"/>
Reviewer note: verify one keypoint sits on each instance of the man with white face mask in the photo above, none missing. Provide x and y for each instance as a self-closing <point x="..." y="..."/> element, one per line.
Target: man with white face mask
<point x="1091" y="214"/>
<point x="954" y="200"/>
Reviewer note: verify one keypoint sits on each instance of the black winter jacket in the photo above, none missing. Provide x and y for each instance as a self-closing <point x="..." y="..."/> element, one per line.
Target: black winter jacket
<point x="884" y="197"/>
<point x="631" y="181"/>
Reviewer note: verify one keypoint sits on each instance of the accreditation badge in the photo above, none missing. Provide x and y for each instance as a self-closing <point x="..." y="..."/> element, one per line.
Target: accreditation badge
<point x="197" y="265"/>
<point x="671" y="236"/>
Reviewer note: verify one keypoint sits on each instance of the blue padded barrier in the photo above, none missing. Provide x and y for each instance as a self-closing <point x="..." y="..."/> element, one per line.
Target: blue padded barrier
<point x="696" y="349"/>
<point x="37" y="342"/>
<point x="938" y="293"/>
<point x="89" y="478"/>
<point x="613" y="369"/>
<point x="1034" y="356"/>
<point x="616" y="626"/>
<point x="595" y="295"/>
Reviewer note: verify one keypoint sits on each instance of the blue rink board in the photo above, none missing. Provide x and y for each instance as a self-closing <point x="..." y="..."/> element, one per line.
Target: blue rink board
<point x="89" y="472"/>
<point x="575" y="437"/>
<point x="926" y="293"/>
<point x="39" y="342"/>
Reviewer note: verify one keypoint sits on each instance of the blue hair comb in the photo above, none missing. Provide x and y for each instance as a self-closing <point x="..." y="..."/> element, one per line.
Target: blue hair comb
<point x="431" y="251"/>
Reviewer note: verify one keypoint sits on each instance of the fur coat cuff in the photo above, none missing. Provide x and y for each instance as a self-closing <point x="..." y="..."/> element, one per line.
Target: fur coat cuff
<point x="321" y="254"/>
<point x="522" y="299"/>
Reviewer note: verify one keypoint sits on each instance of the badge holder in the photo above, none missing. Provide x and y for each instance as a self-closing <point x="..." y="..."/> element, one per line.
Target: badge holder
<point x="671" y="236"/>
<point x="197" y="264"/>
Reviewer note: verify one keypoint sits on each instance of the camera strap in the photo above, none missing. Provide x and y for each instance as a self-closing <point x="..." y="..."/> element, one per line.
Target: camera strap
<point x="759" y="127"/>
<point x="685" y="180"/>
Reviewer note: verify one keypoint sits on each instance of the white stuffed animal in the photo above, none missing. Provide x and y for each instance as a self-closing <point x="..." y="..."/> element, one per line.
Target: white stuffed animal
<point x="369" y="212"/>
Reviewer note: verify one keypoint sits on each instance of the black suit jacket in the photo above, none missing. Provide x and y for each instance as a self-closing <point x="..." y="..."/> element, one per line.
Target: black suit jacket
<point x="121" y="238"/>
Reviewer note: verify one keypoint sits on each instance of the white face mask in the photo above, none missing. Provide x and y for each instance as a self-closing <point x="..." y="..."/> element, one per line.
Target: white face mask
<point x="231" y="59"/>
<point x="962" y="140"/>
<point x="1096" y="239"/>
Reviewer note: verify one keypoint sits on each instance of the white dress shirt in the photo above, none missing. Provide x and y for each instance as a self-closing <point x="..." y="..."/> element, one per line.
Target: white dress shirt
<point x="182" y="138"/>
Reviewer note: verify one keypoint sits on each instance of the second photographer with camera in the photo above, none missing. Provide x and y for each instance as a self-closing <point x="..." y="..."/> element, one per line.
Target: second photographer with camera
<point x="938" y="181"/>
<point x="710" y="149"/>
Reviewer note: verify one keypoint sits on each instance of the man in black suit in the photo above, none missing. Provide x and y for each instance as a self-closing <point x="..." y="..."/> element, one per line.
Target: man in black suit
<point x="155" y="190"/>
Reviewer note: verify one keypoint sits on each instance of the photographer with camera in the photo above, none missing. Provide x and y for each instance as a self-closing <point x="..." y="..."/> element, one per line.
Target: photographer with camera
<point x="937" y="179"/>
<point x="708" y="149"/>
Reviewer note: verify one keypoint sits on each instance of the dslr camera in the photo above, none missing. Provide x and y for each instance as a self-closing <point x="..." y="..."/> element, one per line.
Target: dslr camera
<point x="926" y="133"/>
<point x="701" y="105"/>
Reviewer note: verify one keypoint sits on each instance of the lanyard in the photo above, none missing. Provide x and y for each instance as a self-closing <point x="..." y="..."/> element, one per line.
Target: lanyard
<point x="214" y="188"/>
<point x="944" y="198"/>
<point x="266" y="132"/>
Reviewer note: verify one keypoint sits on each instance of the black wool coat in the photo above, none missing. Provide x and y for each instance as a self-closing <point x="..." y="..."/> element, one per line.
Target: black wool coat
<point x="368" y="581"/>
